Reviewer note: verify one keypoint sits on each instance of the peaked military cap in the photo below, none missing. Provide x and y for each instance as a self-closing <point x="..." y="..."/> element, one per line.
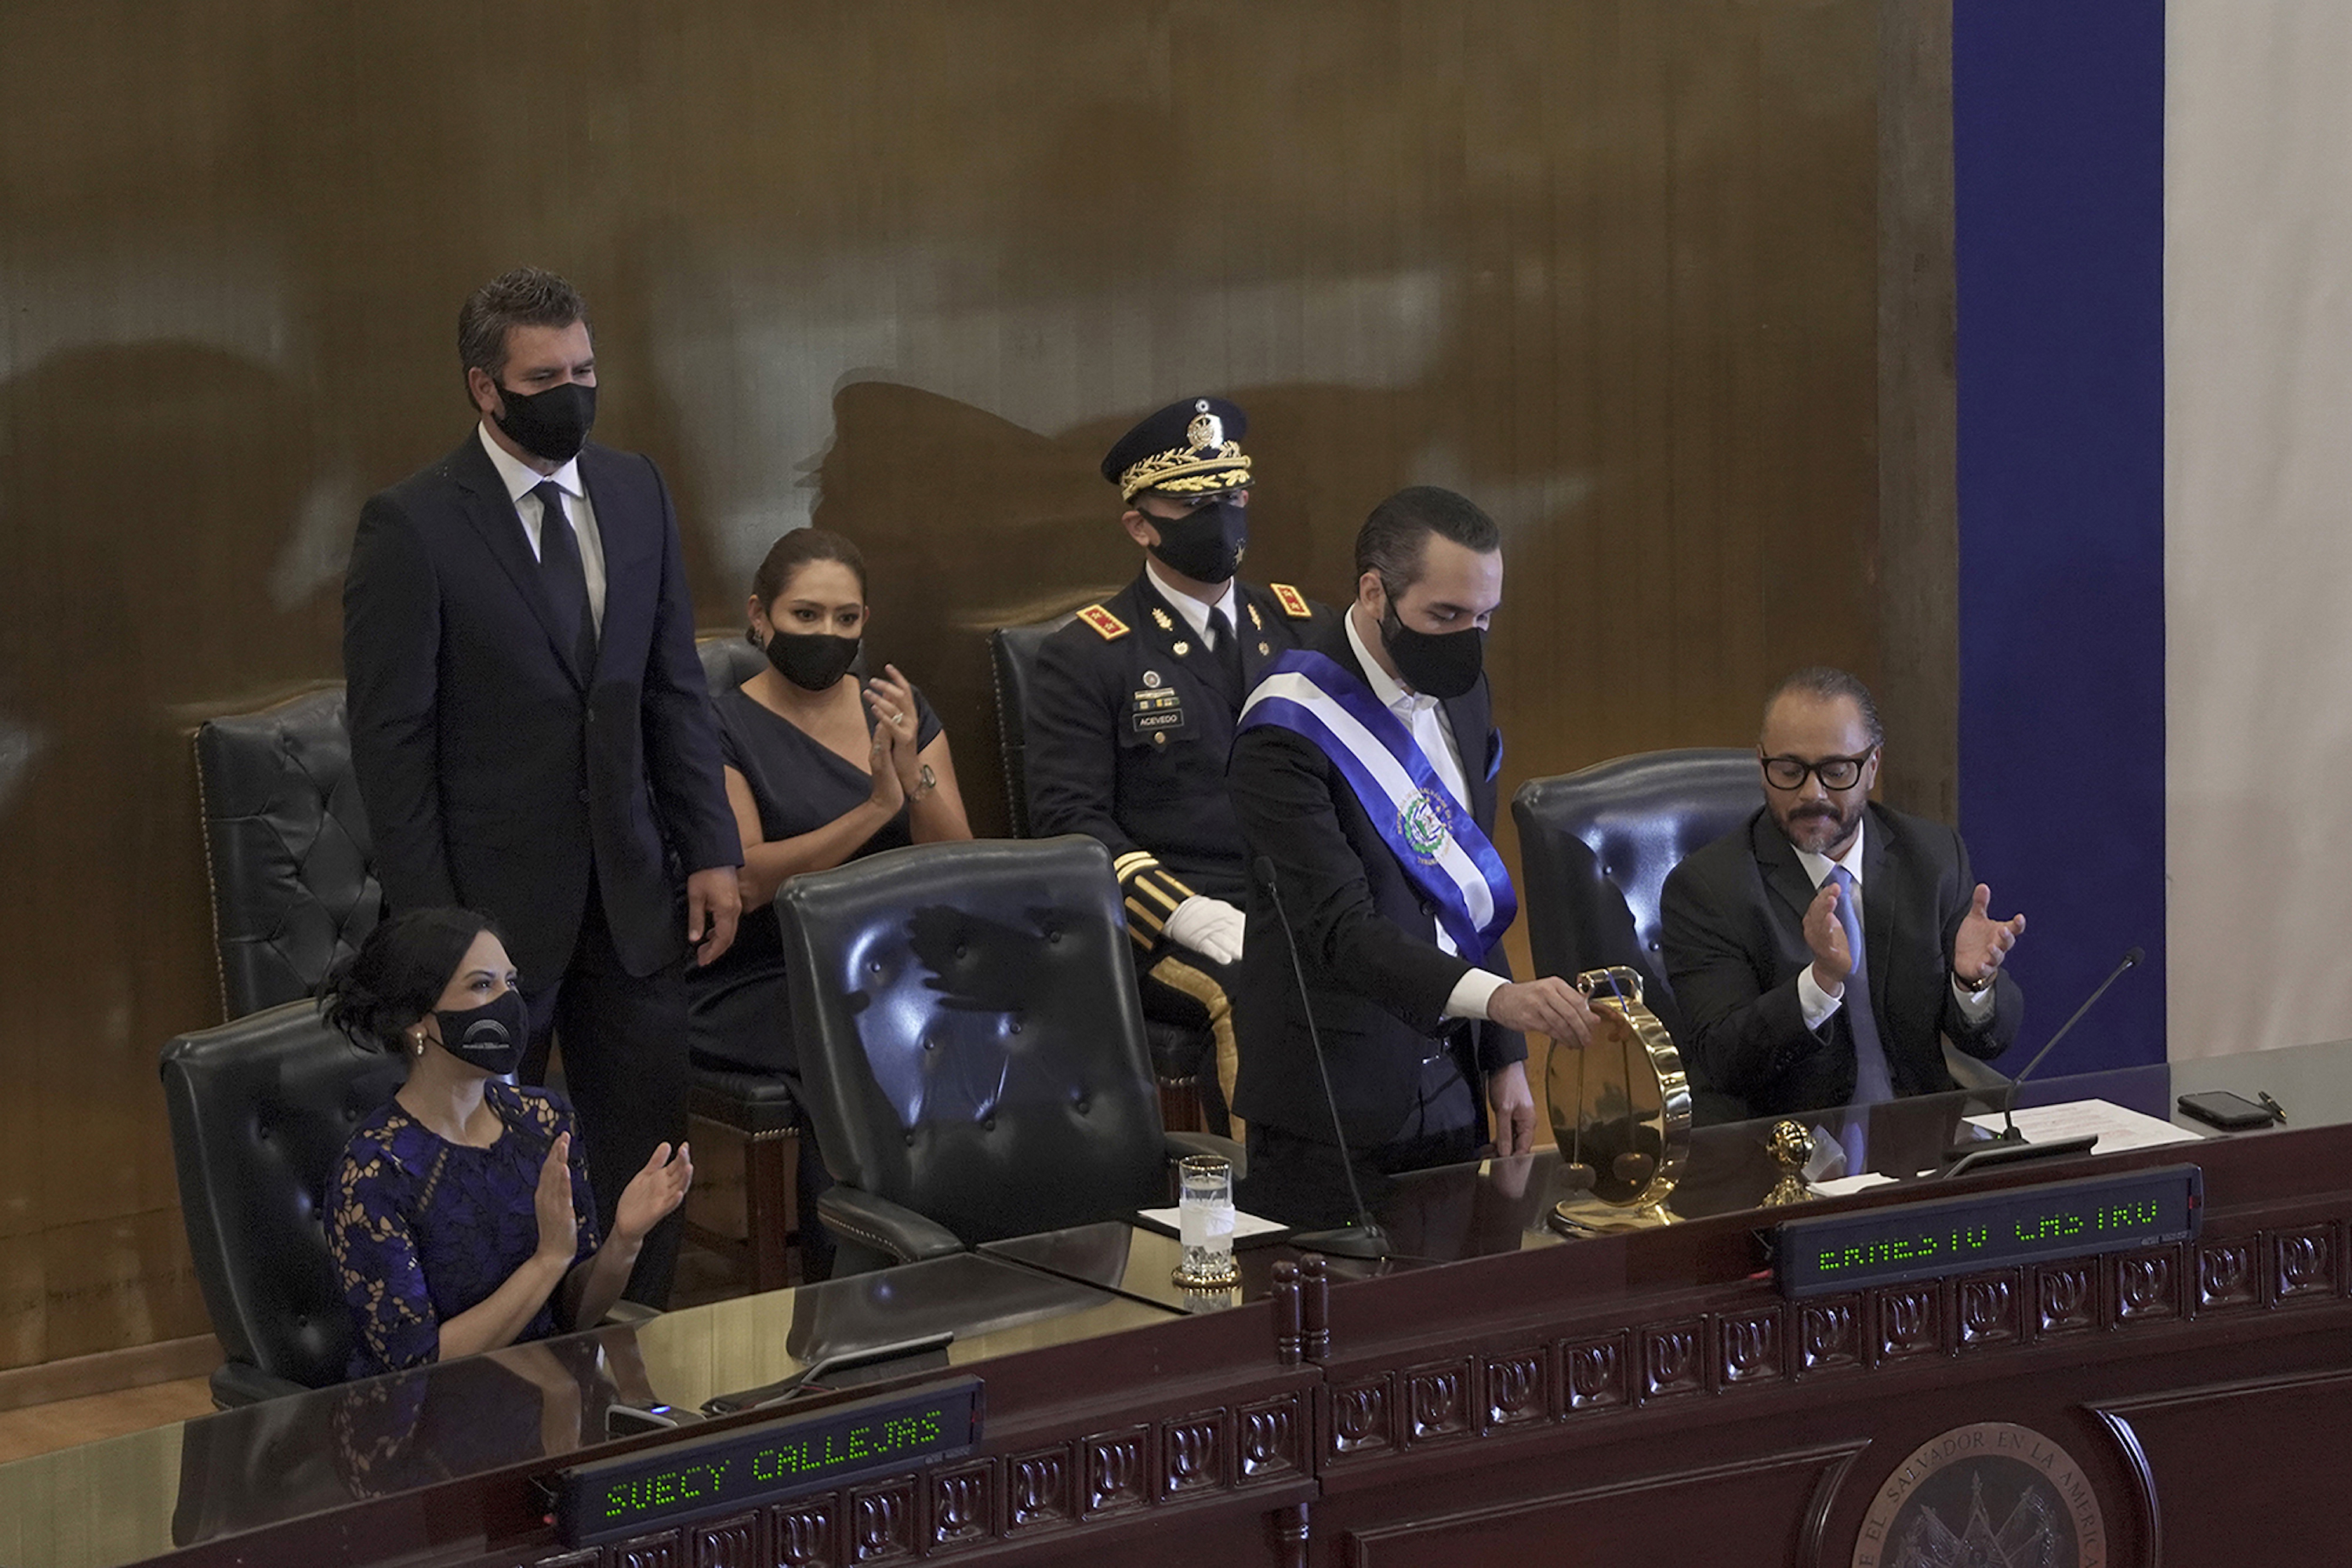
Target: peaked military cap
<point x="1189" y="448"/>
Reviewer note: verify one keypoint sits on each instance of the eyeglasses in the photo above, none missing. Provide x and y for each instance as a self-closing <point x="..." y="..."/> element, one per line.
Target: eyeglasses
<point x="1835" y="772"/>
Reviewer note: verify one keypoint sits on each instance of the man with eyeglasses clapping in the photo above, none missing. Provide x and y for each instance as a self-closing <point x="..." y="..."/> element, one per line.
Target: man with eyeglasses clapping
<point x="1820" y="950"/>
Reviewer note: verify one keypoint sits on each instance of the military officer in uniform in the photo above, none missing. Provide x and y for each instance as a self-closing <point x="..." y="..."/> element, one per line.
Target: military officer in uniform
<point x="1131" y="715"/>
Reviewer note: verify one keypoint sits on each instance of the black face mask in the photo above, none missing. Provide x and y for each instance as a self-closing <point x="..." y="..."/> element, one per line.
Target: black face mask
<point x="1444" y="665"/>
<point x="554" y="424"/>
<point x="1206" y="544"/>
<point x="813" y="660"/>
<point x="490" y="1037"/>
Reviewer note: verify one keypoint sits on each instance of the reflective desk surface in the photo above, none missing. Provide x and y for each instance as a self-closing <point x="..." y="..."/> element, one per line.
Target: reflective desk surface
<point x="1499" y="1205"/>
<point x="121" y="1501"/>
<point x="129" y="1498"/>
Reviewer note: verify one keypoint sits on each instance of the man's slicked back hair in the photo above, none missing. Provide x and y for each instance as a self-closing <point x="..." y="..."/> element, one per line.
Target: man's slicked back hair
<point x="526" y="296"/>
<point x="1825" y="684"/>
<point x="1396" y="536"/>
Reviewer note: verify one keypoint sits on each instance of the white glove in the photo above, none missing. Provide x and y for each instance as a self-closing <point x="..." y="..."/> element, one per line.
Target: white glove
<point x="1210" y="927"/>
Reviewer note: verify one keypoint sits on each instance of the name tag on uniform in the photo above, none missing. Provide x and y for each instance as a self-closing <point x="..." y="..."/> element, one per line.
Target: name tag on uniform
<point x="1155" y="709"/>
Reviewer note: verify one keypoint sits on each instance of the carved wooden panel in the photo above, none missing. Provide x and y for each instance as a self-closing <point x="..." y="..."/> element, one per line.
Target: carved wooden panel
<point x="1361" y="1417"/>
<point x="1988" y="1310"/>
<point x="1748" y="1348"/>
<point x="882" y="1521"/>
<point x="1593" y="1372"/>
<point x="1438" y="1402"/>
<point x="805" y="1533"/>
<point x="1829" y="1335"/>
<point x="725" y="1543"/>
<point x="2066" y="1296"/>
<point x="963" y="1505"/>
<point x="650" y="1552"/>
<point x="1517" y="1388"/>
<point x="1040" y="1489"/>
<point x="1114" y="1468"/>
<point x="1909" y="1321"/>
<point x="1673" y="1359"/>
<point x="2147" y="1285"/>
<point x="1192" y="1454"/>
<point x="2226" y="1277"/>
<point x="1271" y="1441"/>
<point x="2303" y="1264"/>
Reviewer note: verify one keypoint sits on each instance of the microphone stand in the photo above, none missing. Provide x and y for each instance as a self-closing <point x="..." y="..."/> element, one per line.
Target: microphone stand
<point x="2008" y="1144"/>
<point x="1363" y="1235"/>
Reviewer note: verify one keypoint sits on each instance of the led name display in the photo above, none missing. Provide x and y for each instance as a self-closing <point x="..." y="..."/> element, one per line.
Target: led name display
<point x="1962" y="1235"/>
<point x="698" y="1476"/>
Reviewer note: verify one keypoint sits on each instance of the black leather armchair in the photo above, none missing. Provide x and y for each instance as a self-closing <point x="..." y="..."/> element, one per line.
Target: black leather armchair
<point x="973" y="1047"/>
<point x="1012" y="657"/>
<point x="757" y="1107"/>
<point x="1178" y="1053"/>
<point x="260" y="1109"/>
<point x="286" y="849"/>
<point x="1595" y="847"/>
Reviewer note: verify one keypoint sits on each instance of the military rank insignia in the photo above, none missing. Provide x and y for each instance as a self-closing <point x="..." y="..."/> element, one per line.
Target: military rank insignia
<point x="1293" y="602"/>
<point x="1111" y="628"/>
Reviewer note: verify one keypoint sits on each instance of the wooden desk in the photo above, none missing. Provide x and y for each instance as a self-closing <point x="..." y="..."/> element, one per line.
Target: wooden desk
<point x="1643" y="1398"/>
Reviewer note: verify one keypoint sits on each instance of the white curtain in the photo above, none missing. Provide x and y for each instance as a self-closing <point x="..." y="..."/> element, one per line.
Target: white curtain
<point x="2258" y="522"/>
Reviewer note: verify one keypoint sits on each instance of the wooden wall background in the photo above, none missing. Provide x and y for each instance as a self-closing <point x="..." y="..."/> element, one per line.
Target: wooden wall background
<point x="1657" y="284"/>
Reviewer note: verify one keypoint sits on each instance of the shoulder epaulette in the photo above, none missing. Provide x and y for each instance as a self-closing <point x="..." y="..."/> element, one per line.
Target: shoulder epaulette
<point x="1294" y="603"/>
<point x="1111" y="628"/>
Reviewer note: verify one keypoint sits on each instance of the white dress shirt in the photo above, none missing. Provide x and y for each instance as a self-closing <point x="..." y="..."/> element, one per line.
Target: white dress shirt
<point x="521" y="479"/>
<point x="1818" y="1005"/>
<point x="1194" y="611"/>
<point x="1424" y="716"/>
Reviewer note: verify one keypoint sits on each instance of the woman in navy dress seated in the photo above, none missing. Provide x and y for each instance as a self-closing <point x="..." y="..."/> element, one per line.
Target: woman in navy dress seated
<point x="460" y="1218"/>
<point x="822" y="769"/>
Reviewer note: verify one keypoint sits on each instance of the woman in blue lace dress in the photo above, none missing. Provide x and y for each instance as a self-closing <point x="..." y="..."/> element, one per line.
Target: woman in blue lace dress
<point x="460" y="1219"/>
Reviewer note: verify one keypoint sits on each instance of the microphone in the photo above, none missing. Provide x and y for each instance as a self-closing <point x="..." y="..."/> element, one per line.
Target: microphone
<point x="1970" y="1156"/>
<point x="1363" y="1235"/>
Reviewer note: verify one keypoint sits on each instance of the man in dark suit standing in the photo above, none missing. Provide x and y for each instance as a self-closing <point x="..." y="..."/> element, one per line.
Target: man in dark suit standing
<point x="532" y="731"/>
<point x="1365" y="774"/>
<point x="1798" y="999"/>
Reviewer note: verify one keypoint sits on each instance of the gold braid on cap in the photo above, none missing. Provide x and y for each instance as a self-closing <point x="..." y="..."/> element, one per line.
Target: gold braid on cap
<point x="1185" y="470"/>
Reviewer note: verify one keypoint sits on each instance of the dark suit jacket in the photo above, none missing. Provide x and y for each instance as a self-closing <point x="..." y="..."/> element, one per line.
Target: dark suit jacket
<point x="1735" y="943"/>
<point x="497" y="777"/>
<point x="1367" y="937"/>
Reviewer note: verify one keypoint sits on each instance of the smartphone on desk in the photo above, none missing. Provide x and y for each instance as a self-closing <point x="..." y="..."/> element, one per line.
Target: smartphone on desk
<point x="2229" y="1112"/>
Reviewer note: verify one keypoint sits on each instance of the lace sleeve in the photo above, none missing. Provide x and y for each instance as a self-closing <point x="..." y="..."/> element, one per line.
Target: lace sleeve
<point x="376" y="1263"/>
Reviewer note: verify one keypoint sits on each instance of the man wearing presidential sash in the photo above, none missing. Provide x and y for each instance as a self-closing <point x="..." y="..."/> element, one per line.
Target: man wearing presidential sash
<point x="1364" y="773"/>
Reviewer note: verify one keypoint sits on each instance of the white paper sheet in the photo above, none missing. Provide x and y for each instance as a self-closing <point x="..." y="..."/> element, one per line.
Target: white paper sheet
<point x="1245" y="1224"/>
<point x="2117" y="1128"/>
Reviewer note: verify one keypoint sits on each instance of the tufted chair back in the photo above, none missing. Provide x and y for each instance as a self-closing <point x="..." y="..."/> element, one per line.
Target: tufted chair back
<point x="728" y="660"/>
<point x="969" y="1035"/>
<point x="261" y="1111"/>
<point x="1595" y="847"/>
<point x="1012" y="657"/>
<point x="287" y="848"/>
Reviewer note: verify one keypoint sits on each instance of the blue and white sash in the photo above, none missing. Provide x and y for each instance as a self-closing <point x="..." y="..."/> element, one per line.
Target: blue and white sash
<point x="1433" y="837"/>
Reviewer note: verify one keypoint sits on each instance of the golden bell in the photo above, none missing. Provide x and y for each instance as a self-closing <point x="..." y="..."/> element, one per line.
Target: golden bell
<point x="1620" y="1112"/>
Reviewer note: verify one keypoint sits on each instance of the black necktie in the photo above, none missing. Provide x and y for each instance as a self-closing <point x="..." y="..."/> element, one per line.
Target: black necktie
<point x="1228" y="651"/>
<point x="565" y="579"/>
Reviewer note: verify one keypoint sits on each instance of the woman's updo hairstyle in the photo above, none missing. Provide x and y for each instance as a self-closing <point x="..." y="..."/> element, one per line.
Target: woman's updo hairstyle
<point x="798" y="549"/>
<point x="398" y="974"/>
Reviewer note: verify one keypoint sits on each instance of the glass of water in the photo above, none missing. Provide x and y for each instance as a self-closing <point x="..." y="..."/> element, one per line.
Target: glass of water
<point x="1205" y="1217"/>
